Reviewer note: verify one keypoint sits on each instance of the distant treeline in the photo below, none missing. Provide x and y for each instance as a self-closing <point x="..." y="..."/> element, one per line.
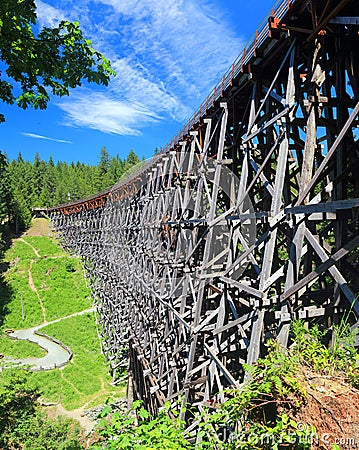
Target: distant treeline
<point x="24" y="184"/>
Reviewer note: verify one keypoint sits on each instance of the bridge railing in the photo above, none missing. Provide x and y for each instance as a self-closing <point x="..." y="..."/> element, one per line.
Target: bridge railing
<point x="279" y="10"/>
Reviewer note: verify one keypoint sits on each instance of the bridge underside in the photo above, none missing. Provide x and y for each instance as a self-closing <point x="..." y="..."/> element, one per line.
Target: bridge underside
<point x="248" y="220"/>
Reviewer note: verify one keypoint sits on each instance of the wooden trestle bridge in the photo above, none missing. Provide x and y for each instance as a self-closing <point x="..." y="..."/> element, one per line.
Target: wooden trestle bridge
<point x="247" y="220"/>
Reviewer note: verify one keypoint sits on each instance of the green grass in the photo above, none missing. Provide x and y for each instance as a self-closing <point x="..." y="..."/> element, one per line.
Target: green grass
<point x="86" y="378"/>
<point x="63" y="292"/>
<point x="19" y="349"/>
<point x="58" y="279"/>
<point x="19" y="256"/>
<point x="22" y="309"/>
<point x="59" y="283"/>
<point x="45" y="246"/>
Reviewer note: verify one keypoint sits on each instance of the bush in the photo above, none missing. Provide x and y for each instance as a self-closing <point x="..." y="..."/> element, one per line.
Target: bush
<point x="24" y="425"/>
<point x="122" y="431"/>
<point x="70" y="266"/>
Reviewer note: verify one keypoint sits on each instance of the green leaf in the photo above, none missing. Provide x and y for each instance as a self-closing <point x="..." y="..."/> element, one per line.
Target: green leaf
<point x="144" y="414"/>
<point x="58" y="58"/>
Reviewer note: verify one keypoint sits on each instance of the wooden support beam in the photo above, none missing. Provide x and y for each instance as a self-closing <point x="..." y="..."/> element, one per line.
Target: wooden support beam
<point x="249" y="218"/>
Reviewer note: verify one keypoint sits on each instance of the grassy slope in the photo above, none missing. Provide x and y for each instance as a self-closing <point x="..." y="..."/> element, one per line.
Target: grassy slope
<point x="86" y="378"/>
<point x="20" y="349"/>
<point x="63" y="292"/>
<point x="59" y="282"/>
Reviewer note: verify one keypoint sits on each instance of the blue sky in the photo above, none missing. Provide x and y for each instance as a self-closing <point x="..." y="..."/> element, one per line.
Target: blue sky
<point x="168" y="55"/>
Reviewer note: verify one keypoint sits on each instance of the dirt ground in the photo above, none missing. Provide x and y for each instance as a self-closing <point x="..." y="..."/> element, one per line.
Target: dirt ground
<point x="332" y="406"/>
<point x="39" y="227"/>
<point x="55" y="411"/>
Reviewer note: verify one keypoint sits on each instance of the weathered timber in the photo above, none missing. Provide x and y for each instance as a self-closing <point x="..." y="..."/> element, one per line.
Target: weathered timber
<point x="247" y="220"/>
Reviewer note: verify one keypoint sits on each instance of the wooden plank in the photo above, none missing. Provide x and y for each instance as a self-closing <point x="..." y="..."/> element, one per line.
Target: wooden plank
<point x="221" y="367"/>
<point x="328" y="156"/>
<point x="334" y="206"/>
<point x="243" y="287"/>
<point x="334" y="271"/>
<point x="322" y="268"/>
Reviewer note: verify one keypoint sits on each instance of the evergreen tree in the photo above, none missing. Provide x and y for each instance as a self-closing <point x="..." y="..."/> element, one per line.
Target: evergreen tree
<point x="132" y="158"/>
<point x="116" y="169"/>
<point x="6" y="201"/>
<point x="42" y="184"/>
<point x="100" y="179"/>
<point x="20" y="159"/>
<point x="104" y="163"/>
<point x="5" y="190"/>
<point x="22" y="186"/>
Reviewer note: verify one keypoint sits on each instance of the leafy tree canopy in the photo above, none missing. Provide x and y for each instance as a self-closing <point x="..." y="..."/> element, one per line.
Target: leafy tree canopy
<point x="50" y="61"/>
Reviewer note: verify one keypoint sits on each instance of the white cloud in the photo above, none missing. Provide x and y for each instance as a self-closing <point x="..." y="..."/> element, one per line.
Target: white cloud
<point x="47" y="15"/>
<point x="177" y="39"/>
<point x="99" y="112"/>
<point x="133" y="82"/>
<point x="168" y="55"/>
<point x="39" y="136"/>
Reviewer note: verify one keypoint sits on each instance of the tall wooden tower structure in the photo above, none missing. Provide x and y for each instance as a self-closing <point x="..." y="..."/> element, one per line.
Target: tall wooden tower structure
<point x="245" y="221"/>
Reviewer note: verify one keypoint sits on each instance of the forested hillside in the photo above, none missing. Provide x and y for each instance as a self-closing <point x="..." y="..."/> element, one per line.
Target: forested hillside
<point x="24" y="184"/>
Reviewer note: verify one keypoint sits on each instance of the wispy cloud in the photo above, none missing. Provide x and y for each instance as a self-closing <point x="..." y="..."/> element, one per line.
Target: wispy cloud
<point x="168" y="55"/>
<point x="137" y="85"/>
<point x="38" y="136"/>
<point x="48" y="15"/>
<point x="99" y="112"/>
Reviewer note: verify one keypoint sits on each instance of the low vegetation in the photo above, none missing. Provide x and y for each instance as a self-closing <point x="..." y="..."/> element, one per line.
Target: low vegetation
<point x="86" y="379"/>
<point x="265" y="413"/>
<point x="57" y="280"/>
<point x="20" y="349"/>
<point x="60" y="284"/>
<point x="23" y="424"/>
<point x="44" y="280"/>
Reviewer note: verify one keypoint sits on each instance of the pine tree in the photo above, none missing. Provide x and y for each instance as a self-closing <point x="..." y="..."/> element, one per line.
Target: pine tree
<point x="5" y="192"/>
<point x="132" y="158"/>
<point x="6" y="198"/>
<point x="42" y="183"/>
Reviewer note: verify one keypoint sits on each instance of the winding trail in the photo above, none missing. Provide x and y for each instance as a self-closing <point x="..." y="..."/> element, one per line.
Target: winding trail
<point x="34" y="289"/>
<point x="30" y="245"/>
<point x="57" y="355"/>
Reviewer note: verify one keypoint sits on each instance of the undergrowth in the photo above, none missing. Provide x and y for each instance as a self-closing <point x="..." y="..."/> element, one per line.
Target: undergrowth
<point x="20" y="349"/>
<point x="23" y="425"/>
<point x="61" y="286"/>
<point x="139" y="430"/>
<point x="258" y="415"/>
<point x="312" y="349"/>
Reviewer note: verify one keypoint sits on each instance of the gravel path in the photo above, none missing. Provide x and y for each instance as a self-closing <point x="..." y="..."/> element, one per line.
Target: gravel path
<point x="57" y="355"/>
